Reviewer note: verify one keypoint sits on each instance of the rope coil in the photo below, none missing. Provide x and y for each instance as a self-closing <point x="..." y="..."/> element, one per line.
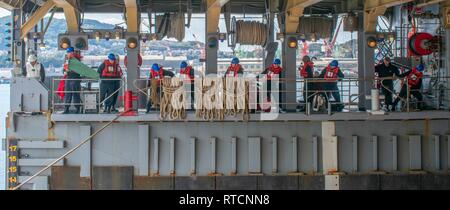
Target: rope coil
<point x="173" y="109"/>
<point x="251" y="33"/>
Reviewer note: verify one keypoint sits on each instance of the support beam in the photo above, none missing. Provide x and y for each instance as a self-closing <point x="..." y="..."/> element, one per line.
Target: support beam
<point x="214" y="8"/>
<point x="373" y="9"/>
<point x="429" y="2"/>
<point x="9" y="5"/>
<point x="293" y="11"/>
<point x="36" y="17"/>
<point x="71" y="14"/>
<point x="132" y="16"/>
<point x="445" y="8"/>
<point x="216" y="3"/>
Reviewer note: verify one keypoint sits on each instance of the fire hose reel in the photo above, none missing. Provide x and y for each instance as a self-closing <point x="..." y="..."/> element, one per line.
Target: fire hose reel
<point x="421" y="44"/>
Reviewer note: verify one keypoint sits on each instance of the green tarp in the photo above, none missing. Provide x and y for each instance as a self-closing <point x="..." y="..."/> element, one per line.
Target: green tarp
<point x="80" y="68"/>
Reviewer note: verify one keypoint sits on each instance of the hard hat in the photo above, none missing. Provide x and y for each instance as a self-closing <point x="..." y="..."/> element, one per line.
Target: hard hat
<point x="70" y="50"/>
<point x="155" y="67"/>
<point x="183" y="65"/>
<point x="112" y="57"/>
<point x="235" y="61"/>
<point x="420" y="67"/>
<point x="32" y="58"/>
<point x="334" y="63"/>
<point x="277" y="62"/>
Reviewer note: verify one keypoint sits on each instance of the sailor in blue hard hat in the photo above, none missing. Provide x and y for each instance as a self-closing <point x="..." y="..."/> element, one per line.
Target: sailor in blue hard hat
<point x="332" y="73"/>
<point x="157" y="73"/>
<point x="70" y="50"/>
<point x="111" y="74"/>
<point x="235" y="69"/>
<point x="413" y="85"/>
<point x="272" y="71"/>
<point x="72" y="86"/>
<point x="188" y="73"/>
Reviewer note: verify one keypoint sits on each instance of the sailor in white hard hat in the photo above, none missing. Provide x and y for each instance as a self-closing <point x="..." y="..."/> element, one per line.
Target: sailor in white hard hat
<point x="34" y="69"/>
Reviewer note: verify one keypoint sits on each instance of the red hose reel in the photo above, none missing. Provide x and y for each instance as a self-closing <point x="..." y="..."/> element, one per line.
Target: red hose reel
<point x="421" y="44"/>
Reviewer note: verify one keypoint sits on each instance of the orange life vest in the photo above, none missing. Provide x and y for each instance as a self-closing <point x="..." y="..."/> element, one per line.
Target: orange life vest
<point x="303" y="72"/>
<point x="111" y="70"/>
<point x="158" y="75"/>
<point x="187" y="72"/>
<point x="68" y="57"/>
<point x="273" y="70"/>
<point x="234" y="70"/>
<point x="414" y="77"/>
<point x="331" y="73"/>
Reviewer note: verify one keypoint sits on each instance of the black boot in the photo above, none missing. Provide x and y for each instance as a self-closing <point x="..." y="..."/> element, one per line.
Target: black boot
<point x="149" y="106"/>
<point x="107" y="109"/>
<point x="113" y="109"/>
<point x="78" y="110"/>
<point x="66" y="110"/>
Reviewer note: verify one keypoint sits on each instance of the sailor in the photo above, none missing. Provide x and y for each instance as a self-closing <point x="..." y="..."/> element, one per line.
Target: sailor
<point x="34" y="69"/>
<point x="158" y="73"/>
<point x="414" y="78"/>
<point x="73" y="83"/>
<point x="110" y="72"/>
<point x="307" y="73"/>
<point x="331" y="74"/>
<point x="387" y="70"/>
<point x="188" y="73"/>
<point x="235" y="69"/>
<point x="271" y="71"/>
<point x="117" y="84"/>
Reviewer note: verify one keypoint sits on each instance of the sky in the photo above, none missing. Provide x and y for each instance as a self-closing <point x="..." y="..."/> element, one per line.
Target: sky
<point x="4" y="12"/>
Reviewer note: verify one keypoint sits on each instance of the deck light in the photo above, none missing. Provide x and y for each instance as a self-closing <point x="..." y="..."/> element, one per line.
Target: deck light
<point x="97" y="36"/>
<point x="107" y="36"/>
<point x="144" y="38"/>
<point x="132" y="43"/>
<point x="292" y="42"/>
<point x="80" y="43"/>
<point x="64" y="43"/>
<point x="117" y="35"/>
<point x="372" y="42"/>
<point x="212" y="42"/>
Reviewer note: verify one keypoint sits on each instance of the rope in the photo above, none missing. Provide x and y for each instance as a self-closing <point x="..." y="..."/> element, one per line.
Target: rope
<point x="154" y="97"/>
<point x="240" y="102"/>
<point x="205" y="108"/>
<point x="251" y="33"/>
<point x="210" y="93"/>
<point x="174" y="109"/>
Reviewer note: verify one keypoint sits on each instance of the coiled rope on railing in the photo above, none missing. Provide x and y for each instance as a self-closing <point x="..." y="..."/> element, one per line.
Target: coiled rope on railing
<point x="251" y="33"/>
<point x="154" y="97"/>
<point x="209" y="95"/>
<point x="239" y="100"/>
<point x="172" y="103"/>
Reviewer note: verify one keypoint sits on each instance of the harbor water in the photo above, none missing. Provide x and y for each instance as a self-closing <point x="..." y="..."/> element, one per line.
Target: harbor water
<point x="4" y="107"/>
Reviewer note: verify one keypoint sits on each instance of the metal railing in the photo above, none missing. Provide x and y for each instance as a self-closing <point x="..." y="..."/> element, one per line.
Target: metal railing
<point x="312" y="96"/>
<point x="88" y="88"/>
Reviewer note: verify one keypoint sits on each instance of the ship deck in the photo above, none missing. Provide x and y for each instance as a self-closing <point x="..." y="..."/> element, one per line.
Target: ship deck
<point x="283" y="117"/>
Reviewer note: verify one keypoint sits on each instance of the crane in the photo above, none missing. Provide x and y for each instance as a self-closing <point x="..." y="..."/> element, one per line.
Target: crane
<point x="330" y="46"/>
<point x="202" y="49"/>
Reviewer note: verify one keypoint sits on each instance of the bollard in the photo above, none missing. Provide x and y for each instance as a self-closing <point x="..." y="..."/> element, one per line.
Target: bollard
<point x="375" y="100"/>
<point x="128" y="99"/>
